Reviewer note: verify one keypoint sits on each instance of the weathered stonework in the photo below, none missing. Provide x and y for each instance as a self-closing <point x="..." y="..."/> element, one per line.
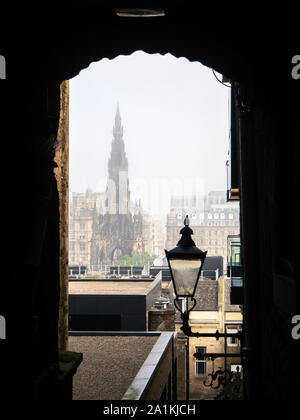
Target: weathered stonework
<point x="161" y="320"/>
<point x="62" y="177"/>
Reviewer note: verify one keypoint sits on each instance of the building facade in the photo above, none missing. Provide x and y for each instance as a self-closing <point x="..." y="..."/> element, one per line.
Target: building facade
<point x="212" y="312"/>
<point x="212" y="219"/>
<point x="153" y="235"/>
<point x="81" y="216"/>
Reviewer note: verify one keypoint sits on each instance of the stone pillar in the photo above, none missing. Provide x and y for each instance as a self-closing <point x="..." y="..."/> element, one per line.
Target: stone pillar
<point x="181" y="366"/>
<point x="161" y="319"/>
<point x="62" y="177"/>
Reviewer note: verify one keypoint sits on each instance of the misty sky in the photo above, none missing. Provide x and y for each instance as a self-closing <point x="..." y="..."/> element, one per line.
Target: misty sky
<point x="175" y="118"/>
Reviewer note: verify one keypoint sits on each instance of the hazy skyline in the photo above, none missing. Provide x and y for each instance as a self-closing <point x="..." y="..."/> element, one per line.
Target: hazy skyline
<point x="175" y="118"/>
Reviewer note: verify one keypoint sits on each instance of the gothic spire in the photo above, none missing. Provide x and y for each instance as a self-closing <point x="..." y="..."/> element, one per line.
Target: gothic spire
<point x="118" y="183"/>
<point x="118" y="128"/>
<point x="118" y="160"/>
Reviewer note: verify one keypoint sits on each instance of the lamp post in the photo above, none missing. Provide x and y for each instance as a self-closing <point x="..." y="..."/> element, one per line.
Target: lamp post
<point x="185" y="264"/>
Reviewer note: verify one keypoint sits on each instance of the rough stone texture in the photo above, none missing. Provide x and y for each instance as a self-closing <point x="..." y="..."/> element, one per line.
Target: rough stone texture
<point x="161" y="320"/>
<point x="207" y="295"/>
<point x="105" y="374"/>
<point x="62" y="178"/>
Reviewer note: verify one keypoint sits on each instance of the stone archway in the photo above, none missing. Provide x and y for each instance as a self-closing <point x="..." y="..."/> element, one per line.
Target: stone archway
<point x="244" y="46"/>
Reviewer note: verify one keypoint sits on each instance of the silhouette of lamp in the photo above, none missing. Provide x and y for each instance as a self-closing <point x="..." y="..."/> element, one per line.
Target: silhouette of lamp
<point x="185" y="263"/>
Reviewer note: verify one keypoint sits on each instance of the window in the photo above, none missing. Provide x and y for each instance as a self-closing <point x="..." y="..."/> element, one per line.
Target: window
<point x="200" y="362"/>
<point x="82" y="226"/>
<point x="83" y="212"/>
<point x="82" y="247"/>
<point x="216" y="215"/>
<point x="81" y="236"/>
<point x="222" y="216"/>
<point x="232" y="341"/>
<point x="230" y="216"/>
<point x="209" y="216"/>
<point x="237" y="371"/>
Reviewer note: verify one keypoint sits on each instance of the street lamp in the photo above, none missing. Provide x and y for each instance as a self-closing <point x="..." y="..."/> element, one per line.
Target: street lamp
<point x="185" y="263"/>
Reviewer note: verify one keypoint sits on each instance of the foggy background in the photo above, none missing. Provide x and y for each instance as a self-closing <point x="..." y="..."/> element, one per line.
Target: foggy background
<point x="175" y="118"/>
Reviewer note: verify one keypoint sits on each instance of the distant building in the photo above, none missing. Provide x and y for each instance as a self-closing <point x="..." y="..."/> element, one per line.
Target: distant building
<point x="118" y="231"/>
<point x="81" y="216"/>
<point x="212" y="220"/>
<point x="153" y="236"/>
<point x="107" y="226"/>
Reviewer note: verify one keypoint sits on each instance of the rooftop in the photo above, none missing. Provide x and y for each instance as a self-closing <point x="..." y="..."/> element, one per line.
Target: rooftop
<point x="107" y="287"/>
<point x="105" y="374"/>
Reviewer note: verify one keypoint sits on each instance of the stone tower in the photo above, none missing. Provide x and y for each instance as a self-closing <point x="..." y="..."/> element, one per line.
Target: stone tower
<point x="117" y="190"/>
<point x="117" y="232"/>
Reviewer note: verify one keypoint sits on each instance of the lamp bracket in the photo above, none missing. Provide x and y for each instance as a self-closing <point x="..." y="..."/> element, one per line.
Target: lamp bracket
<point x="176" y="303"/>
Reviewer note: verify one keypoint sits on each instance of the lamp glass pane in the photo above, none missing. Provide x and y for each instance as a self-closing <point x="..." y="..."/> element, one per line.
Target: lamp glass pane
<point x="185" y="275"/>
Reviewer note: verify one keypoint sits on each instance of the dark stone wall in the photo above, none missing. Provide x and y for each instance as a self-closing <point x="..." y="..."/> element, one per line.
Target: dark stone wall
<point x="269" y="208"/>
<point x="62" y="177"/>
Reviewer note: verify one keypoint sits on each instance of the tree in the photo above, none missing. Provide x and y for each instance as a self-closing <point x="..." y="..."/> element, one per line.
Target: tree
<point x="139" y="259"/>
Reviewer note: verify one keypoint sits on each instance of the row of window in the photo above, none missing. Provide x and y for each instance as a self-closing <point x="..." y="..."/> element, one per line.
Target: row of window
<point x="209" y="216"/>
<point x="213" y="223"/>
<point x="82" y="246"/>
<point x="81" y="226"/>
<point x="73" y="236"/>
<point x="82" y="257"/>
